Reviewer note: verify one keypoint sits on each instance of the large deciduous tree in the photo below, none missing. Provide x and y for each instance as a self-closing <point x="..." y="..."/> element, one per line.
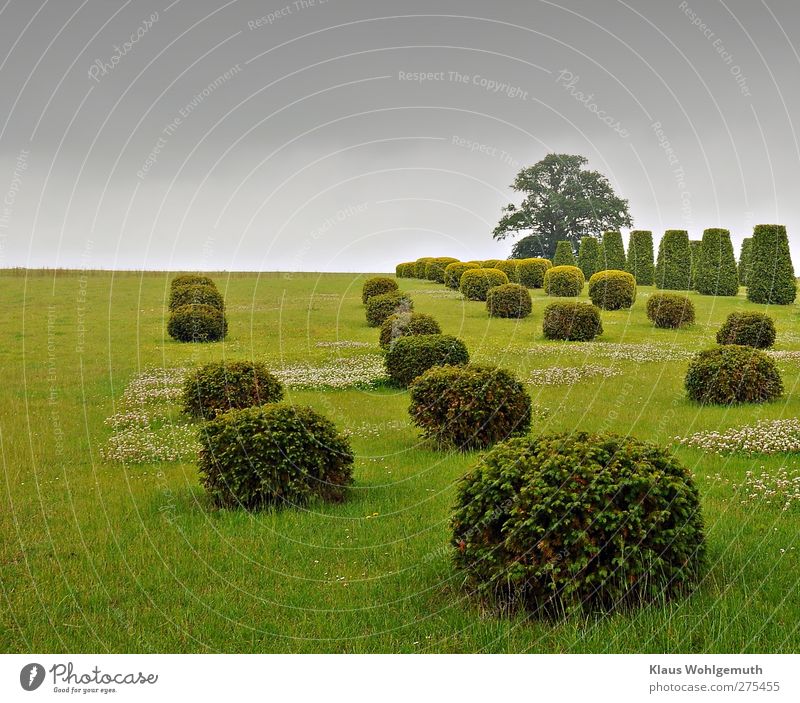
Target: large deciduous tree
<point x="563" y="201"/>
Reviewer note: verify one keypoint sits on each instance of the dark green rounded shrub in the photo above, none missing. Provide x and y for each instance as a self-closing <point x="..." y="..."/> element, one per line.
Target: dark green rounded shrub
<point x="673" y="268"/>
<point x="191" y="279"/>
<point x="379" y="307"/>
<point x="589" y="257"/>
<point x="573" y="321"/>
<point x="571" y="523"/>
<point x="273" y="456"/>
<point x="771" y="278"/>
<point x="640" y="257"/>
<point x="475" y="283"/>
<point x="377" y="286"/>
<point x="452" y="273"/>
<point x="510" y="267"/>
<point x="420" y="265"/>
<point x="614" y="251"/>
<point x="229" y="385"/>
<point x="716" y="267"/>
<point x="405" y="270"/>
<point x="434" y="271"/>
<point x="670" y="311"/>
<point x="612" y="290"/>
<point x="745" y="259"/>
<point x="196" y="294"/>
<point x="469" y="407"/>
<point x="565" y="254"/>
<point x="412" y="356"/>
<point x="509" y="300"/>
<point x="563" y="281"/>
<point x="197" y="323"/>
<point x="732" y="374"/>
<point x="532" y="271"/>
<point x="748" y="329"/>
<point x="406" y="324"/>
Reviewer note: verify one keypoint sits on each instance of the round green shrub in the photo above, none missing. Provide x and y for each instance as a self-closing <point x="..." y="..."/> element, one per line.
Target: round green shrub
<point x="197" y="323"/>
<point x="509" y="300"/>
<point x="510" y="267"/>
<point x="532" y="271"/>
<point x="640" y="257"/>
<point x="771" y="278"/>
<point x="716" y="265"/>
<point x="573" y="321"/>
<point x="229" y="385"/>
<point x="379" y="307"/>
<point x="673" y="267"/>
<point x="405" y="270"/>
<point x="670" y="311"/>
<point x="469" y="407"/>
<point x="732" y="374"/>
<point x="191" y="279"/>
<point x="565" y="254"/>
<point x="405" y="324"/>
<point x="572" y="523"/>
<point x="412" y="356"/>
<point x="490" y="263"/>
<point x="273" y="456"/>
<point x="748" y="329"/>
<point x="196" y="294"/>
<point x="589" y="257"/>
<point x="434" y="271"/>
<point x="420" y="265"/>
<point x="563" y="281"/>
<point x="475" y="283"/>
<point x="612" y="290"/>
<point x="614" y="251"/>
<point x="377" y="286"/>
<point x="452" y="273"/>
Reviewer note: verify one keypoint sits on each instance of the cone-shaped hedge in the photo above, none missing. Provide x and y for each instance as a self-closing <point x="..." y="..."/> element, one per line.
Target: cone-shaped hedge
<point x="564" y="255"/>
<point x="674" y="261"/>
<point x="694" y="258"/>
<point x="589" y="257"/>
<point x="771" y="278"/>
<point x="745" y="259"/>
<point x="614" y="251"/>
<point x="716" y="268"/>
<point x="640" y="257"/>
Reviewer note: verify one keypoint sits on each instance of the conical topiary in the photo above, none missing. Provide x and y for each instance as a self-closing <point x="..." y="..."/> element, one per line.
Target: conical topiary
<point x="674" y="261"/>
<point x="614" y="251"/>
<point x="564" y="255"/>
<point x="589" y="257"/>
<point x="745" y="259"/>
<point x="771" y="277"/>
<point x="640" y="257"/>
<point x="716" y="267"/>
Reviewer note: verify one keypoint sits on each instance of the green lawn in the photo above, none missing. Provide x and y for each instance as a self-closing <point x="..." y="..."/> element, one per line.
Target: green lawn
<point x="99" y="556"/>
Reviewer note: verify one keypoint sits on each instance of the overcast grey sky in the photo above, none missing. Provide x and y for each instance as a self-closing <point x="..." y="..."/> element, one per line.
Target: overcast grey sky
<point x="296" y="136"/>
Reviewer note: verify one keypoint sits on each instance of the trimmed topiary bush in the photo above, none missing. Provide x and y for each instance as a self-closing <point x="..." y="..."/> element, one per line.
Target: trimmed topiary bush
<point x="406" y="324"/>
<point x="573" y="321"/>
<point x="377" y="286"/>
<point x="532" y="271"/>
<point x="716" y="268"/>
<point x="614" y="251"/>
<point x="673" y="268"/>
<point x="273" y="456"/>
<point x="405" y="270"/>
<point x="589" y="257"/>
<point x="420" y="265"/>
<point x="452" y="274"/>
<point x="732" y="374"/>
<point x="490" y="263"/>
<point x="563" y="281"/>
<point x="745" y="259"/>
<point x="695" y="246"/>
<point x="510" y="267"/>
<point x="379" y="307"/>
<point x="469" y="407"/>
<point x="612" y="290"/>
<point x="565" y="254"/>
<point x="191" y="279"/>
<point x="670" y="311"/>
<point x="197" y="323"/>
<point x="196" y="294"/>
<point x="748" y="329"/>
<point x="410" y="357"/>
<point x="640" y="257"/>
<point x="509" y="300"/>
<point x="229" y="385"/>
<point x="434" y="270"/>
<point x="771" y="279"/>
<point x="569" y="523"/>
<point x="475" y="283"/>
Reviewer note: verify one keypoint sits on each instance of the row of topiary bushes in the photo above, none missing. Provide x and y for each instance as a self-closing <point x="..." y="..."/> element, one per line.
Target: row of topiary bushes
<point x="197" y="310"/>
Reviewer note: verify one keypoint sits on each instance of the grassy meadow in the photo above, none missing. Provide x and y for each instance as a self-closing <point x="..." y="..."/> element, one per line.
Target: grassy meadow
<point x="99" y="555"/>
